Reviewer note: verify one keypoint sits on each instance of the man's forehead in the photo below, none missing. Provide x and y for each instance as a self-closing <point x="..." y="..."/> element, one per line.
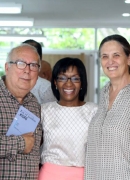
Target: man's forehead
<point x="25" y="51"/>
<point x="25" y="56"/>
<point x="25" y="48"/>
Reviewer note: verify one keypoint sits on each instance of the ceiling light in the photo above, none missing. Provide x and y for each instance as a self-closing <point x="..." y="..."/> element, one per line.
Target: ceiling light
<point x="10" y="8"/>
<point x="21" y="38"/>
<point x="16" y="22"/>
<point x="127" y="1"/>
<point x="125" y="14"/>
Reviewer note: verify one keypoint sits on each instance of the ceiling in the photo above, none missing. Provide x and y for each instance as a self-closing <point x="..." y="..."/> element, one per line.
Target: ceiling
<point x="74" y="13"/>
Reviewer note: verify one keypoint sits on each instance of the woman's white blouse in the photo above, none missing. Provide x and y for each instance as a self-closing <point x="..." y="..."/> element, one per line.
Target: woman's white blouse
<point x="65" y="133"/>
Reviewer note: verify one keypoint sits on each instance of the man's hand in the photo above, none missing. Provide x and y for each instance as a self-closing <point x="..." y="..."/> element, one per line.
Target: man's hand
<point x="29" y="142"/>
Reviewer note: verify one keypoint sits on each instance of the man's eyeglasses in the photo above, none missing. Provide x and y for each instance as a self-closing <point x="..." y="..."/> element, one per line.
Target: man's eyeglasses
<point x="23" y="65"/>
<point x="64" y="79"/>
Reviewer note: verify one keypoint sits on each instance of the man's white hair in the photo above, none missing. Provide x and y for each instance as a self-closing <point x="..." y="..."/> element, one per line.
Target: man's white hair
<point x="12" y="51"/>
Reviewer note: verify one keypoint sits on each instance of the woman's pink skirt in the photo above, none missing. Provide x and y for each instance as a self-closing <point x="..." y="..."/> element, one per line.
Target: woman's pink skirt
<point x="56" y="172"/>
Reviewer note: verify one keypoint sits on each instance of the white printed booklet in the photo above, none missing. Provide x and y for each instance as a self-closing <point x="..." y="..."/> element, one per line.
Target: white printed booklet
<point x="24" y="122"/>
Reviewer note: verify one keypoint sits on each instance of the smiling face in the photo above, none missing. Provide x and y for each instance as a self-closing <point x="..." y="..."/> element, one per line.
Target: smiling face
<point x="114" y="60"/>
<point x="21" y="81"/>
<point x="69" y="91"/>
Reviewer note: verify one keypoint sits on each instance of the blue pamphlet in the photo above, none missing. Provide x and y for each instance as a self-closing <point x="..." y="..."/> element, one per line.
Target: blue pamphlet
<point x="24" y="122"/>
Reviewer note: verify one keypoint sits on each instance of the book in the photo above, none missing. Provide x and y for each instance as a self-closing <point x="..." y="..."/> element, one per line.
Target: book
<point x="23" y="122"/>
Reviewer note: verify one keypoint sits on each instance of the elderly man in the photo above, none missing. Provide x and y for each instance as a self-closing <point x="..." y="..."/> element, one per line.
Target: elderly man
<point x="19" y="155"/>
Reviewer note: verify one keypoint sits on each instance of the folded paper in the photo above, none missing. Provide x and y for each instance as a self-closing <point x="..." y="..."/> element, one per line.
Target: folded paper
<point x="24" y="122"/>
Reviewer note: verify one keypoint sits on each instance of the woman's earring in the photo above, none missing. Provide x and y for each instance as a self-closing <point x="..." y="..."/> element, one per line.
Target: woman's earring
<point x="80" y="88"/>
<point x="56" y="87"/>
